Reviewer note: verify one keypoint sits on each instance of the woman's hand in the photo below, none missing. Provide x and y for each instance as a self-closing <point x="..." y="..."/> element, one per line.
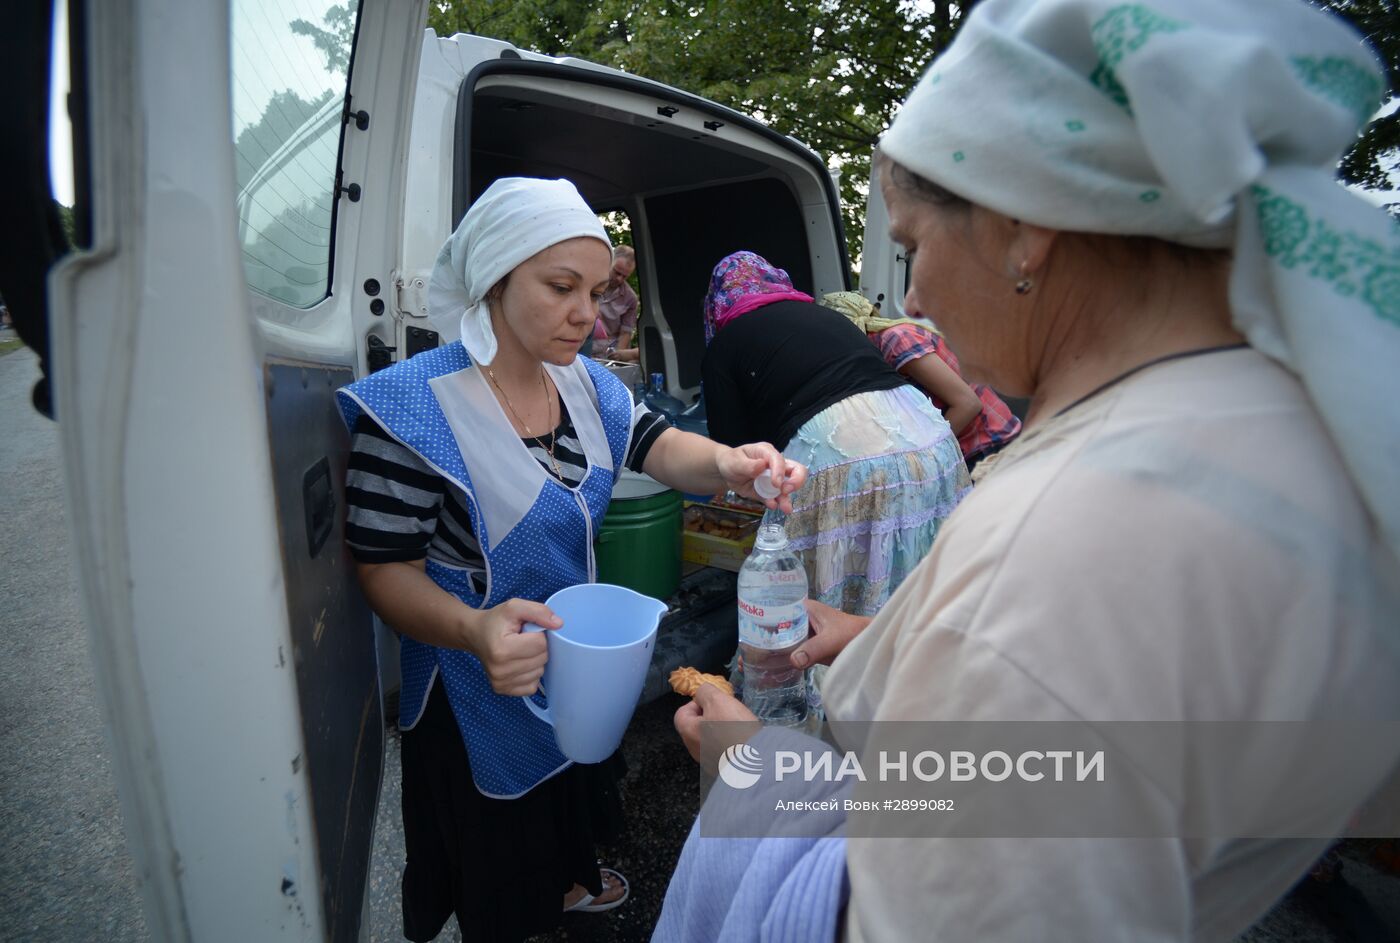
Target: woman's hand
<point x="740" y="466"/>
<point x="832" y="630"/>
<point x="710" y="704"/>
<point x="514" y="660"/>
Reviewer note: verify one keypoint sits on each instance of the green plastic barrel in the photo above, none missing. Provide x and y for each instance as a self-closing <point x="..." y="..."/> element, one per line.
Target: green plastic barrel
<point x="639" y="544"/>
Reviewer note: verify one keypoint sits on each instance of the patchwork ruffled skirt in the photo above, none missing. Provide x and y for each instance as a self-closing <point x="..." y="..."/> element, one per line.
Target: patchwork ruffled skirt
<point x="885" y="471"/>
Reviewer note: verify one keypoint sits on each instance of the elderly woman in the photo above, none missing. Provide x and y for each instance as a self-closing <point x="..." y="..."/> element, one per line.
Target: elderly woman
<point x="479" y="473"/>
<point x="1129" y="214"/>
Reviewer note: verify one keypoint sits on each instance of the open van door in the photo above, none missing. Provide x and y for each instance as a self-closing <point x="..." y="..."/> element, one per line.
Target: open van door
<point x="245" y="170"/>
<point x="884" y="271"/>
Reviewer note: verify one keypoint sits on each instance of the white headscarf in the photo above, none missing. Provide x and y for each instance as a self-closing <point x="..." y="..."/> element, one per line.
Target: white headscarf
<point x="516" y="218"/>
<point x="1212" y="123"/>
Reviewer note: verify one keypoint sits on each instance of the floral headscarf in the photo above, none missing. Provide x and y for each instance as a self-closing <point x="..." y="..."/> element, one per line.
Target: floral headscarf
<point x="864" y="315"/>
<point x="1210" y="123"/>
<point x="740" y="283"/>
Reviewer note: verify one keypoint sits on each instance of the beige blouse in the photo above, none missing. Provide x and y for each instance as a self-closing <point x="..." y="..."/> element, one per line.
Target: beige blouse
<point x="1183" y="546"/>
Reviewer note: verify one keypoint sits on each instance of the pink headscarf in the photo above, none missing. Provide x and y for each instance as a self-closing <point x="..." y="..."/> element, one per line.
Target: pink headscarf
<point x="740" y="283"/>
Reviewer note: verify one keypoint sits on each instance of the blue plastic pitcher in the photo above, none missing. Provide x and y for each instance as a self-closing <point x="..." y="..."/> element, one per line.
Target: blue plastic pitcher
<point x="597" y="665"/>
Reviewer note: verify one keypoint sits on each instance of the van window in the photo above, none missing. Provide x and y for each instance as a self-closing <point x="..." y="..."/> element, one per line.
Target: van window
<point x="290" y="67"/>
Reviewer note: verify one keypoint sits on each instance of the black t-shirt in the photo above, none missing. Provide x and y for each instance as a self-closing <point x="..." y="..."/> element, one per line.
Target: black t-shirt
<point x="769" y="371"/>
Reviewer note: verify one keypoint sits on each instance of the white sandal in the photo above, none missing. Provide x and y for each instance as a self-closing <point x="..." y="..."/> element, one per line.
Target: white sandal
<point x="585" y="905"/>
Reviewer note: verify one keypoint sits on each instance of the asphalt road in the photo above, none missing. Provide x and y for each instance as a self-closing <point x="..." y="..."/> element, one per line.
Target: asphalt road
<point x="65" y="873"/>
<point x="64" y="869"/>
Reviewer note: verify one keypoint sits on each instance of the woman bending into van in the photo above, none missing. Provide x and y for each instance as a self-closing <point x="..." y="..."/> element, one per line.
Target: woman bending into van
<point x="478" y="475"/>
<point x="885" y="466"/>
<point x="1130" y="214"/>
<point x="983" y="423"/>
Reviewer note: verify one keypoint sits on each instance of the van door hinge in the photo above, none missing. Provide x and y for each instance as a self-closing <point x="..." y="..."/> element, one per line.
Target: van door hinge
<point x="349" y="189"/>
<point x="412" y="295"/>
<point x="361" y="117"/>
<point x="380" y="354"/>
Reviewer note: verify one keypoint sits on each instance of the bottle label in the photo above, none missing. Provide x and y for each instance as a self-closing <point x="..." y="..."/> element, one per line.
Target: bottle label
<point x="772" y="626"/>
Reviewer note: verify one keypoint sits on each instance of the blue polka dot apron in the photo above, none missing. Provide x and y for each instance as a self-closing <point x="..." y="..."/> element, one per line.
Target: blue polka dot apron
<point x="535" y="532"/>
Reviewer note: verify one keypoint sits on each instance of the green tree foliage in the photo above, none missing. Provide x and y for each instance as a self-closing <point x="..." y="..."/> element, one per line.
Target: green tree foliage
<point x="65" y="219"/>
<point x="1379" y="22"/>
<point x="335" y="39"/>
<point x="831" y="74"/>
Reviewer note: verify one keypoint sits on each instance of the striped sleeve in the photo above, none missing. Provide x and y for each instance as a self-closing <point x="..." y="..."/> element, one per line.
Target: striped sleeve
<point x="393" y="498"/>
<point x="647" y="427"/>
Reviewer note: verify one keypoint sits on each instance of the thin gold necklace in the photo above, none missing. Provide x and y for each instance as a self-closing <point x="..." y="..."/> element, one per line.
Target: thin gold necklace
<point x="549" y="450"/>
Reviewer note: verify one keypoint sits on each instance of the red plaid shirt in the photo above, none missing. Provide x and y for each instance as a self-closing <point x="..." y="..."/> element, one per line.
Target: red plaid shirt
<point x="994" y="426"/>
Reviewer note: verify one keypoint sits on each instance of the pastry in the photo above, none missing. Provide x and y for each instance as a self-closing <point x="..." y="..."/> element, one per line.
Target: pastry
<point x="688" y="680"/>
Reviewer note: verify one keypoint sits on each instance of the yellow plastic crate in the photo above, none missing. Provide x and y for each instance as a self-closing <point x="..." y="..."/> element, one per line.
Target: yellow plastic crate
<point x="727" y="544"/>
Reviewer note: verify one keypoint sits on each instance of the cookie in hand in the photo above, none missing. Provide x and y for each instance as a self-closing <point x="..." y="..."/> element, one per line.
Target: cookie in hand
<point x="688" y="680"/>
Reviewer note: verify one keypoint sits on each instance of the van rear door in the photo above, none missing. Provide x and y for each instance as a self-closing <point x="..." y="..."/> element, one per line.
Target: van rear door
<point x="246" y="171"/>
<point x="884" y="271"/>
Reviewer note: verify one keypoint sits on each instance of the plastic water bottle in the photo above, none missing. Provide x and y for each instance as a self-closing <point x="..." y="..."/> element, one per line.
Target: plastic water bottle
<point x="692" y="418"/>
<point x="658" y="400"/>
<point x="773" y="622"/>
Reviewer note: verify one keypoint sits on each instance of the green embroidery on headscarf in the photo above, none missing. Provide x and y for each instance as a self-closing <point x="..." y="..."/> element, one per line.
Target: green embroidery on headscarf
<point x="1075" y="126"/>
<point x="1122" y="30"/>
<point x="1354" y="87"/>
<point x="1352" y="264"/>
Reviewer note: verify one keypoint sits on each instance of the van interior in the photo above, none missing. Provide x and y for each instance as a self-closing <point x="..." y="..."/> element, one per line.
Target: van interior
<point x="694" y="194"/>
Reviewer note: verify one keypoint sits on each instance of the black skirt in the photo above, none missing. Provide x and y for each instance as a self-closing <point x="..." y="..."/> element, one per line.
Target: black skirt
<point x="502" y="866"/>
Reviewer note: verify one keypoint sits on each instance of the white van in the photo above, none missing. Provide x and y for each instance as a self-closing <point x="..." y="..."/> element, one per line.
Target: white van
<point x="227" y="291"/>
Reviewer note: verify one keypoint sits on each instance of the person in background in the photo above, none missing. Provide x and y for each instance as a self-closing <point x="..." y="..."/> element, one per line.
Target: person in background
<point x="617" y="311"/>
<point x="1129" y="214"/>
<point x="886" y="470"/>
<point x="983" y="423"/>
<point x="478" y="473"/>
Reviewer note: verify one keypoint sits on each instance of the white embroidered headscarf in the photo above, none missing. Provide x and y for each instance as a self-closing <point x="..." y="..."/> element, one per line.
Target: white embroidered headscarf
<point x="516" y="218"/>
<point x="1212" y="123"/>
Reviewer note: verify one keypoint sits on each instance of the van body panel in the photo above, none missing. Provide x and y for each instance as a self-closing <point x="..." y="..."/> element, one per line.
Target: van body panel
<point x="332" y="634"/>
<point x="205" y="460"/>
<point x="168" y="463"/>
<point x="92" y="374"/>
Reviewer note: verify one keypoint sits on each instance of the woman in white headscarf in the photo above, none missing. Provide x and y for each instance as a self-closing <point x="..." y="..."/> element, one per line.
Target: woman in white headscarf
<point x="479" y="473"/>
<point x="1129" y="214"/>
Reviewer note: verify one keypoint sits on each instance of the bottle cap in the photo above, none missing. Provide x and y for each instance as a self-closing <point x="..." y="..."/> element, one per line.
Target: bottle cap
<point x="763" y="484"/>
